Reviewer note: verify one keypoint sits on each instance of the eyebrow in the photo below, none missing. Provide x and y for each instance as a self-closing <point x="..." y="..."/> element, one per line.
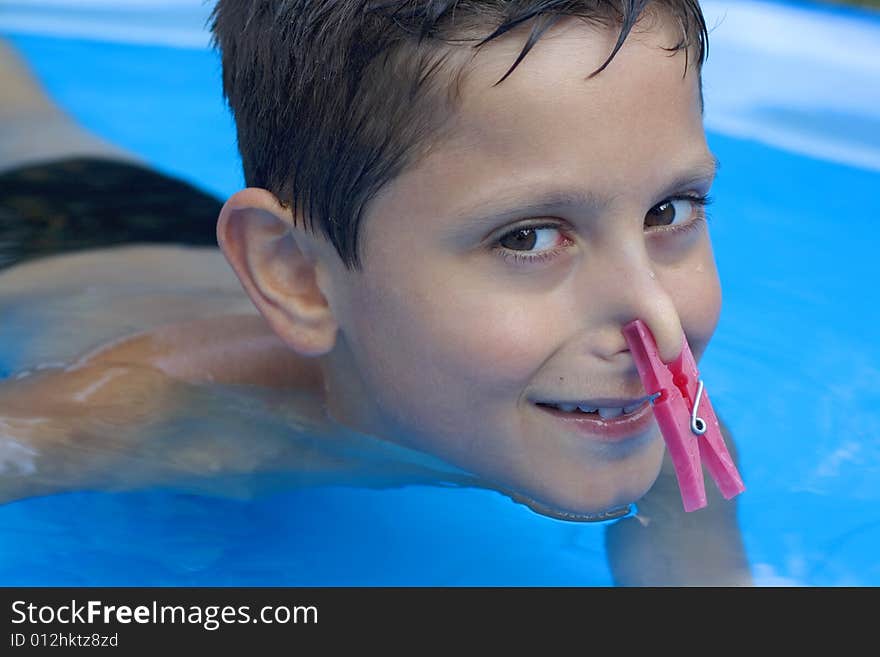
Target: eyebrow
<point x="532" y="204"/>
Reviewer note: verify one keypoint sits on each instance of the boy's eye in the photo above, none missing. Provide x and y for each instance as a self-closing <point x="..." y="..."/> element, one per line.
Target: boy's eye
<point x="671" y="211"/>
<point x="528" y="239"/>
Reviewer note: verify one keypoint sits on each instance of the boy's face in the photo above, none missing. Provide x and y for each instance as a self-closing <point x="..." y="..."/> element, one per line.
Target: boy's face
<point x="475" y="307"/>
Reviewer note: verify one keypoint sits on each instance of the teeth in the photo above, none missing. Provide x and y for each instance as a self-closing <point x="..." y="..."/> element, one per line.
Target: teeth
<point x="605" y="413"/>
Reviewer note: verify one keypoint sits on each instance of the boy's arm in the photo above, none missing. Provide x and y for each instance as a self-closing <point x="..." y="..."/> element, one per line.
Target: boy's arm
<point x="115" y="427"/>
<point x="74" y="428"/>
<point x="665" y="546"/>
<point x="134" y="414"/>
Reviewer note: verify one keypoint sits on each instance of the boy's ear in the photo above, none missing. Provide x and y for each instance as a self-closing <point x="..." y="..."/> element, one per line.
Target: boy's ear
<point x="273" y="260"/>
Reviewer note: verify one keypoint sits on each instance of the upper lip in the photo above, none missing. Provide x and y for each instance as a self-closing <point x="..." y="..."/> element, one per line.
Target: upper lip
<point x="603" y="402"/>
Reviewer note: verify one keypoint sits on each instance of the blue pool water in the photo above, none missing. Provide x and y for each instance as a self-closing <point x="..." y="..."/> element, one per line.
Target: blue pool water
<point x="794" y="118"/>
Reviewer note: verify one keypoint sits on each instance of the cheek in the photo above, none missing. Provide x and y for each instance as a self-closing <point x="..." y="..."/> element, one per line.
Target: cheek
<point x="452" y="341"/>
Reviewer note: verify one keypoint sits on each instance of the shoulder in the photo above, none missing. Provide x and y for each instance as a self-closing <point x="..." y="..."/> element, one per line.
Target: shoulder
<point x="228" y="349"/>
<point x="180" y="310"/>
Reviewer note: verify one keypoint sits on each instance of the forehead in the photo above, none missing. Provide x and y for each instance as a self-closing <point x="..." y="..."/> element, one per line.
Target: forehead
<point x="644" y="85"/>
<point x="547" y="124"/>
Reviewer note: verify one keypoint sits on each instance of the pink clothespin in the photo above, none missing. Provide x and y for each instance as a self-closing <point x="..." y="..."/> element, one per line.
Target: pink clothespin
<point x="685" y="417"/>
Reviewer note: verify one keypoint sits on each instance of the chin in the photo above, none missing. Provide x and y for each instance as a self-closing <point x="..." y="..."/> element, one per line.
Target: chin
<point x="595" y="500"/>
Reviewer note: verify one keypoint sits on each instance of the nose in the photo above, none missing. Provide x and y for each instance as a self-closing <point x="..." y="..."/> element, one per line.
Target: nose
<point x="630" y="289"/>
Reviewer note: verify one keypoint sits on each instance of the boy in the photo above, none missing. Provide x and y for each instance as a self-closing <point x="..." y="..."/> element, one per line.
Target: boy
<point x="453" y="209"/>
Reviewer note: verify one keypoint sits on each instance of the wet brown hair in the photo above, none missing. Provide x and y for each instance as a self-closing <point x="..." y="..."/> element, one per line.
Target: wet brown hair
<point x="333" y="99"/>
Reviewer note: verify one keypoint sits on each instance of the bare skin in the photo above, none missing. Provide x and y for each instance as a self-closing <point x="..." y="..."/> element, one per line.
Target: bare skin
<point x="123" y="383"/>
<point x="36" y="129"/>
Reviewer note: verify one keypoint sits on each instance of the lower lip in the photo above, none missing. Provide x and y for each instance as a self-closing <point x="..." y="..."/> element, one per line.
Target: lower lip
<point x="612" y="430"/>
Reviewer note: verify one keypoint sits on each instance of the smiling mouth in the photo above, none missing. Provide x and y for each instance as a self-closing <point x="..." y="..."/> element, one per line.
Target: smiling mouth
<point x="614" y="421"/>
